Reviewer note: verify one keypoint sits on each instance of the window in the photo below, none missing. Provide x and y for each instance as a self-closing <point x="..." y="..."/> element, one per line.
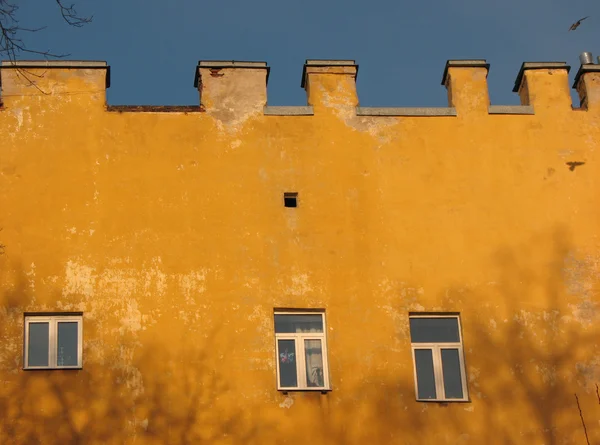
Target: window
<point x="301" y="351"/>
<point x="438" y="358"/>
<point x="53" y="341"/>
<point x="290" y="199"/>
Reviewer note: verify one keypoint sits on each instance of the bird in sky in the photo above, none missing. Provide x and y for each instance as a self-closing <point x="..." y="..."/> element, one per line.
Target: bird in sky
<point x="575" y="25"/>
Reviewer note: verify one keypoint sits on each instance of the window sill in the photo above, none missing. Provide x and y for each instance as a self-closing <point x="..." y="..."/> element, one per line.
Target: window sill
<point x="61" y="368"/>
<point x="288" y="390"/>
<point x="443" y="401"/>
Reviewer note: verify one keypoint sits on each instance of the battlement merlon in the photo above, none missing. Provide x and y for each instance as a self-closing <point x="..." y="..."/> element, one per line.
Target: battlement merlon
<point x="330" y="83"/>
<point x="53" y="78"/>
<point x="544" y="85"/>
<point x="466" y="83"/>
<point x="232" y="87"/>
<point x="587" y="84"/>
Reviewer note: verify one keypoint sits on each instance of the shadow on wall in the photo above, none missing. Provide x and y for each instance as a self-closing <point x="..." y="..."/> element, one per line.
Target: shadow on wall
<point x="182" y="401"/>
<point x="528" y="352"/>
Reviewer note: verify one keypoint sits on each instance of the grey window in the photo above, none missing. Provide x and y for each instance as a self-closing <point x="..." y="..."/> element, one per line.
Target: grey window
<point x="53" y="341"/>
<point x="438" y="358"/>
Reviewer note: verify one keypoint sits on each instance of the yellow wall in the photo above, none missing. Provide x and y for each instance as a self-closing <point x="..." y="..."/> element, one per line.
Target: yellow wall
<point x="168" y="231"/>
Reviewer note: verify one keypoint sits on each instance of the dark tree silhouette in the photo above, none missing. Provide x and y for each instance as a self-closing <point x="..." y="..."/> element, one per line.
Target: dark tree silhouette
<point x="11" y="29"/>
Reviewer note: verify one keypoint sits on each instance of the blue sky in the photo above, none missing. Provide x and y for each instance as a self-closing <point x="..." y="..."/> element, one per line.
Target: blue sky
<point x="401" y="46"/>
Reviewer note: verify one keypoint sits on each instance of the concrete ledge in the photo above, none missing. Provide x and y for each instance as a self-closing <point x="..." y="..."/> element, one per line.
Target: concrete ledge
<point x="228" y="64"/>
<point x="288" y="111"/>
<point x="54" y="64"/>
<point x="405" y="111"/>
<point x="231" y="64"/>
<point x="510" y="109"/>
<point x="155" y="108"/>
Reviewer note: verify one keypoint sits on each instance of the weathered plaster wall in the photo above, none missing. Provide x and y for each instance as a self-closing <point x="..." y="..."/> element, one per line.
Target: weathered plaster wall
<point x="168" y="231"/>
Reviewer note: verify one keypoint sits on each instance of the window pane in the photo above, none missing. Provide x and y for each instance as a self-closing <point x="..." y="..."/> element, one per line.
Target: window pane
<point x="314" y="364"/>
<point x="288" y="377"/>
<point x="285" y="324"/>
<point x="452" y="374"/>
<point x="37" y="354"/>
<point x="434" y="330"/>
<point x="66" y="354"/>
<point x="425" y="377"/>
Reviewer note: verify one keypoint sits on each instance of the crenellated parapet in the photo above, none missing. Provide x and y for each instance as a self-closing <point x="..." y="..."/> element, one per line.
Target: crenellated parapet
<point x="236" y="88"/>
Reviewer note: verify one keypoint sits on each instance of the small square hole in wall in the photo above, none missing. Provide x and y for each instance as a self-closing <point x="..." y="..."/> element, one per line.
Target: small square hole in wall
<point x="290" y="199"/>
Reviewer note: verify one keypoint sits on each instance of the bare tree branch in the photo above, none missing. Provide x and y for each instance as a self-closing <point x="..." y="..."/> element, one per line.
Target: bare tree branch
<point x="11" y="30"/>
<point x="587" y="439"/>
<point x="71" y="16"/>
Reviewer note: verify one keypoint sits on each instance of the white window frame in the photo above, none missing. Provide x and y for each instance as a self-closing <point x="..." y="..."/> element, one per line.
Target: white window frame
<point x="299" y="338"/>
<point x="53" y="321"/>
<point x="436" y="353"/>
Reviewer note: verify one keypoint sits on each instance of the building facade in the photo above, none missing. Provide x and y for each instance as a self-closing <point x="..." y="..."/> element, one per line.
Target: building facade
<point x="237" y="273"/>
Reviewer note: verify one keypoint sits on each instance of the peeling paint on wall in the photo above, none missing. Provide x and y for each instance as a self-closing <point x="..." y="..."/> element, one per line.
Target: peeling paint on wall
<point x="287" y="403"/>
<point x="79" y="279"/>
<point x="581" y="274"/>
